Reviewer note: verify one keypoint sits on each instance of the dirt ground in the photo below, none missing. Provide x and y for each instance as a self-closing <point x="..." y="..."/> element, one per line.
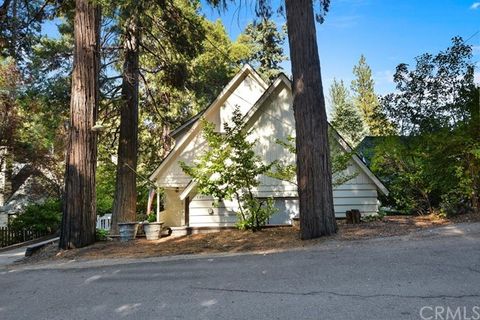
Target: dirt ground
<point x="233" y="241"/>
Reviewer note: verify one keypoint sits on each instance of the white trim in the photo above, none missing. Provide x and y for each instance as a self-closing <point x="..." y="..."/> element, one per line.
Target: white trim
<point x="229" y="88"/>
<point x="359" y="162"/>
<point x="280" y="79"/>
<point x="191" y="185"/>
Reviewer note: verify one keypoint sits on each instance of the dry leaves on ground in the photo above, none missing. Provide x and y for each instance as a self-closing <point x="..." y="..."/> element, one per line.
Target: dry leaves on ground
<point x="232" y="241"/>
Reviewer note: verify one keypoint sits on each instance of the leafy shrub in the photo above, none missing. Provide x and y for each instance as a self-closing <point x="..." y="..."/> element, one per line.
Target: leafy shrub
<point x="454" y="203"/>
<point x="105" y="184"/>
<point x="229" y="169"/>
<point x="101" y="234"/>
<point x="45" y="217"/>
<point x="256" y="213"/>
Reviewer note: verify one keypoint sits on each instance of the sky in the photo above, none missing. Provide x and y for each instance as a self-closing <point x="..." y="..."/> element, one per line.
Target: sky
<point x="387" y="32"/>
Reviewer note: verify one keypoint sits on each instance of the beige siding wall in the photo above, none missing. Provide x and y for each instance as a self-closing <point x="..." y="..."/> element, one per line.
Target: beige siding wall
<point x="173" y="215"/>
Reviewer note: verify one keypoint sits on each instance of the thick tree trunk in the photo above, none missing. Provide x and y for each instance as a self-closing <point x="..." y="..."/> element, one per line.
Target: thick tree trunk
<point x="314" y="175"/>
<point x="79" y="210"/>
<point x="125" y="204"/>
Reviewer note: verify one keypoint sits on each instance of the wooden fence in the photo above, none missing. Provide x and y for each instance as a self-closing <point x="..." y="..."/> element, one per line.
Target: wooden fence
<point x="9" y="237"/>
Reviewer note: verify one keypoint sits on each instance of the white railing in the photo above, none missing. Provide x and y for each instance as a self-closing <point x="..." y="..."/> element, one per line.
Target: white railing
<point x="104" y="222"/>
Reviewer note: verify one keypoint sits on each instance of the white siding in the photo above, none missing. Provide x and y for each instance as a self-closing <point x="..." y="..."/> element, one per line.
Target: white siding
<point x="203" y="213"/>
<point x="273" y="120"/>
<point x="244" y="95"/>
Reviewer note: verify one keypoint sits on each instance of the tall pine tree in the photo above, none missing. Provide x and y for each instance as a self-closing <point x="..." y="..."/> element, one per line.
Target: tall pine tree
<point x="364" y="97"/>
<point x="346" y="118"/>
<point x="314" y="172"/>
<point x="79" y="209"/>
<point x="125" y="204"/>
<point x="267" y="43"/>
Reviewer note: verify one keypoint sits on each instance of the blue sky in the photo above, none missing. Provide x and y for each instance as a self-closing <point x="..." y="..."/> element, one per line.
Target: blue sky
<point x="387" y="32"/>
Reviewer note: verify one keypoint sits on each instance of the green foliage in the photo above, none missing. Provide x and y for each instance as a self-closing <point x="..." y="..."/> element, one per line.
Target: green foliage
<point x="105" y="187"/>
<point x="44" y="217"/>
<point x="340" y="160"/>
<point x="229" y="170"/>
<point x="101" y="235"/>
<point x="436" y="94"/>
<point x="454" y="203"/>
<point x="20" y="26"/>
<point x="435" y="163"/>
<point x="346" y="118"/>
<point x="266" y="43"/>
<point x="152" y="217"/>
<point x="366" y="101"/>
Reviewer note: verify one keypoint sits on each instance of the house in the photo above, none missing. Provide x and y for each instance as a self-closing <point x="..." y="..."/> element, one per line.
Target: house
<point x="268" y="113"/>
<point x="22" y="184"/>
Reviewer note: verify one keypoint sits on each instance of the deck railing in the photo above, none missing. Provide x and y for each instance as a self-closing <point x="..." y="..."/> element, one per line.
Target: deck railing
<point x="10" y="236"/>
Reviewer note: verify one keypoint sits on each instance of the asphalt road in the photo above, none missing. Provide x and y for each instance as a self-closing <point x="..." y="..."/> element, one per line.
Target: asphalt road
<point x="393" y="278"/>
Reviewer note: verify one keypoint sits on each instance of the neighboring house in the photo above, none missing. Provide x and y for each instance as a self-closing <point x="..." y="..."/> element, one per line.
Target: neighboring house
<point x="21" y="184"/>
<point x="269" y="115"/>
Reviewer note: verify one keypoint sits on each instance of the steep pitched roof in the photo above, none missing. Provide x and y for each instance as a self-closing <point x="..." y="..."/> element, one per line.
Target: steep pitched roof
<point x="283" y="79"/>
<point x="191" y="125"/>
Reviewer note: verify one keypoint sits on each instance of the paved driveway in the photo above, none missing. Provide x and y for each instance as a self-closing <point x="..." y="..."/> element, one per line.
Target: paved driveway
<point x="395" y="278"/>
<point x="10" y="256"/>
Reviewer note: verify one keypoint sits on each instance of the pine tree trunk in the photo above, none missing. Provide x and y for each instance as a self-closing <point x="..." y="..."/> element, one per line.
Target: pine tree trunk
<point x="314" y="175"/>
<point x="125" y="204"/>
<point x="79" y="210"/>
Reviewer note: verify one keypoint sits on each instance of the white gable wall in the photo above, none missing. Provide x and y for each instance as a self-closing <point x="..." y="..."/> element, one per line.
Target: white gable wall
<point x="244" y="95"/>
<point x="275" y="120"/>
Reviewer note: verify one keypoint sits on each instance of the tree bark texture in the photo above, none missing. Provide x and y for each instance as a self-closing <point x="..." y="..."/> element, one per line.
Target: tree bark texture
<point x="314" y="176"/>
<point x="79" y="209"/>
<point x="125" y="203"/>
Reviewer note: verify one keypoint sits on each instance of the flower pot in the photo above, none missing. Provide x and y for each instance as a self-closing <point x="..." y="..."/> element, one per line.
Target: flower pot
<point x="152" y="230"/>
<point x="127" y="230"/>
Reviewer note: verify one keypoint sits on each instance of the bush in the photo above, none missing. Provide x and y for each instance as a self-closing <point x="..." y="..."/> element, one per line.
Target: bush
<point x="101" y="234"/>
<point x="255" y="214"/>
<point x="453" y="204"/>
<point x="45" y="217"/>
<point x="229" y="169"/>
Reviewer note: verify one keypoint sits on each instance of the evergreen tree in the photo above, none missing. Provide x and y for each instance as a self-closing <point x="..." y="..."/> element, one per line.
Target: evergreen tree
<point x="79" y="209"/>
<point x="314" y="172"/>
<point x="125" y="204"/>
<point x="364" y="97"/>
<point x="267" y="43"/>
<point x="20" y="26"/>
<point x="346" y="118"/>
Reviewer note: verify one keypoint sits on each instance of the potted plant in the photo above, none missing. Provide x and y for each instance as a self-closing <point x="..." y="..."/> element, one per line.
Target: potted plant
<point x="127" y="230"/>
<point x="152" y="227"/>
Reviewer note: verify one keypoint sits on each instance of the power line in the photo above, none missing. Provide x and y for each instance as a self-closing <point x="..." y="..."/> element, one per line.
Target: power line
<point x="473" y="35"/>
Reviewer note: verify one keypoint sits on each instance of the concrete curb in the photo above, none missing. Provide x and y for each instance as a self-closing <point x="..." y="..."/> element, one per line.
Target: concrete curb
<point x="26" y="243"/>
<point x="37" y="246"/>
